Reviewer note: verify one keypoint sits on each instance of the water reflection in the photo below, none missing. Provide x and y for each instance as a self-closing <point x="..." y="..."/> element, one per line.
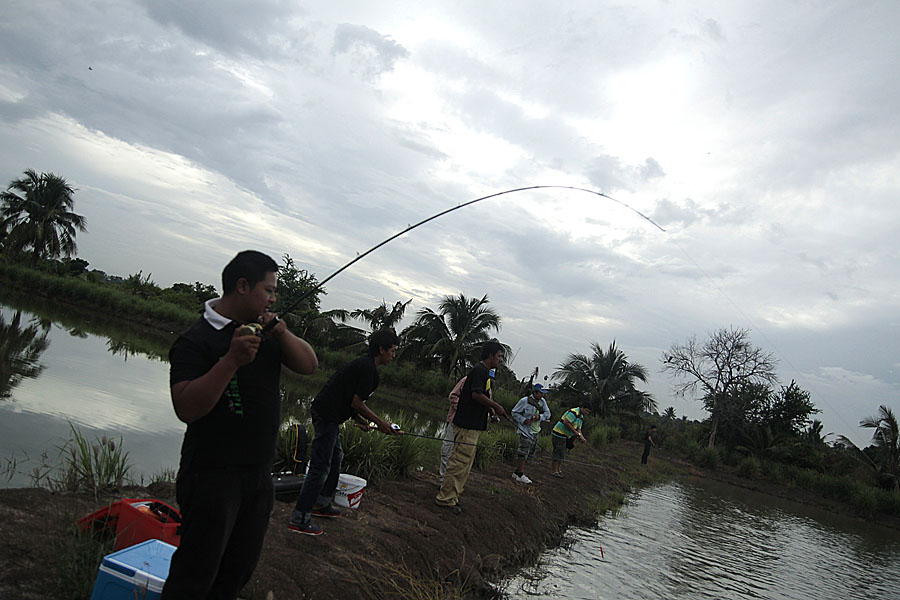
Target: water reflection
<point x="701" y="541"/>
<point x="20" y="350"/>
<point x="55" y="371"/>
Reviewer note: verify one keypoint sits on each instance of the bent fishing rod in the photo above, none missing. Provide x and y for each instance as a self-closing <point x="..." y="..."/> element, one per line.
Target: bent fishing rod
<point x="261" y="329"/>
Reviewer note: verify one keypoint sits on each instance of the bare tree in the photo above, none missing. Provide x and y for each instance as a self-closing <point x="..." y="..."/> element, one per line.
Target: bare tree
<point x="726" y="362"/>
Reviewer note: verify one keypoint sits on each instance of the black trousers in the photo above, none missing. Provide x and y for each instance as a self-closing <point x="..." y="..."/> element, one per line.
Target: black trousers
<point x="645" y="454"/>
<point x="225" y="515"/>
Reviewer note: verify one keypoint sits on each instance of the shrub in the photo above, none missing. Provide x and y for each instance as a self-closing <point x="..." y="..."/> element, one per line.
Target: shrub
<point x="865" y="501"/>
<point x="749" y="468"/>
<point x="709" y="457"/>
<point x="601" y="434"/>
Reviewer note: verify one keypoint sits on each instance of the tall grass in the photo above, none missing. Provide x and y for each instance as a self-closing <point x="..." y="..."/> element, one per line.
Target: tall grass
<point x="495" y="445"/>
<point x="92" y="467"/>
<point x="601" y="434"/>
<point x="77" y="558"/>
<point x="377" y="457"/>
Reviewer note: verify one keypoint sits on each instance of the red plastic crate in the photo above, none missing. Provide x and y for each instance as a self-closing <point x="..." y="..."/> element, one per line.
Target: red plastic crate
<point x="135" y="520"/>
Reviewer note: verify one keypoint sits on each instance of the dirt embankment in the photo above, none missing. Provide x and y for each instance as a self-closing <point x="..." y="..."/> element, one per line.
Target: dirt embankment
<point x="398" y="538"/>
<point x="396" y="543"/>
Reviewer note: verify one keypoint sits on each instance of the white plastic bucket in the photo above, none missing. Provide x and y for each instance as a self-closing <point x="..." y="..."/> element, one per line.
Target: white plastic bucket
<point x="349" y="491"/>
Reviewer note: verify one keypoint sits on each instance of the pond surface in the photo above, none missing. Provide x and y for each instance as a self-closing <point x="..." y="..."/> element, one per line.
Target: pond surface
<point x="57" y="368"/>
<point x="53" y="374"/>
<point x="702" y="540"/>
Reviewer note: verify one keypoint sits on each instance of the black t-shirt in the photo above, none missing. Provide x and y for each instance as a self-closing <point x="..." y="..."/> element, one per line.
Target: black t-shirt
<point x="471" y="414"/>
<point x="241" y="428"/>
<point x="647" y="439"/>
<point x="359" y="377"/>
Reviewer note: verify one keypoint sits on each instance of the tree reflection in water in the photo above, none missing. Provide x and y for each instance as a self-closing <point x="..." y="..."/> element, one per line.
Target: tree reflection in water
<point x="20" y="351"/>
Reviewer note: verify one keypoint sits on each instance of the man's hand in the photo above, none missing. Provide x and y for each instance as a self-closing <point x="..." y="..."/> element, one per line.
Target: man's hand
<point x="528" y="421"/>
<point x="243" y="349"/>
<point x="581" y="437"/>
<point x="388" y="429"/>
<point x="279" y="329"/>
<point x="498" y="410"/>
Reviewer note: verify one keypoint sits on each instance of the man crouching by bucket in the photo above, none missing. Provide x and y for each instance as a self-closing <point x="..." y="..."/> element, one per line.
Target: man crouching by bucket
<point x="342" y="397"/>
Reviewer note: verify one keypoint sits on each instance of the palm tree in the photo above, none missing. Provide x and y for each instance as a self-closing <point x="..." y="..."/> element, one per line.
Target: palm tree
<point x="669" y="414"/>
<point x="450" y="336"/>
<point x="40" y="216"/>
<point x="382" y="317"/>
<point x="886" y="440"/>
<point x="606" y="379"/>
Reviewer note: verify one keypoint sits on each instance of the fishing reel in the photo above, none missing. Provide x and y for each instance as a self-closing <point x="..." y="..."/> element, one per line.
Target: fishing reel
<point x="250" y="329"/>
<point x="258" y="329"/>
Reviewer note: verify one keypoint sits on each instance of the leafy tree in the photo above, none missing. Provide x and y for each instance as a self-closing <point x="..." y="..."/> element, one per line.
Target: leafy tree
<point x="669" y="414"/>
<point x="789" y="410"/>
<point x="292" y="284"/>
<point x="190" y="296"/>
<point x="451" y="336"/>
<point x="724" y="364"/>
<point x="607" y="379"/>
<point x="36" y="214"/>
<point x="382" y="316"/>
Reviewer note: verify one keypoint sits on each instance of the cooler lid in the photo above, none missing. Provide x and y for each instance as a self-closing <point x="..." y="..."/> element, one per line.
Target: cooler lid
<point x="147" y="562"/>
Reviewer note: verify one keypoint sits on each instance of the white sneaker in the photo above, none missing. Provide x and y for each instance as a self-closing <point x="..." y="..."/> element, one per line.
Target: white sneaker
<point x="523" y="479"/>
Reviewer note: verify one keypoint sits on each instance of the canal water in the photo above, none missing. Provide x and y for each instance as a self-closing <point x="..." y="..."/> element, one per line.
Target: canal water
<point x="698" y="540"/>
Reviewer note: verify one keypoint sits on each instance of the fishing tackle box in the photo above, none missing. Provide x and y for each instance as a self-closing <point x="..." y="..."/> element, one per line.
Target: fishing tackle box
<point x="135" y="520"/>
<point x="136" y="572"/>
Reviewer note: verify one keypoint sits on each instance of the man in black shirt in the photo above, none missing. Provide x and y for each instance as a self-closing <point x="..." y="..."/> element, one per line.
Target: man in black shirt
<point x="224" y="385"/>
<point x="342" y="397"/>
<point x="648" y="442"/>
<point x="470" y="420"/>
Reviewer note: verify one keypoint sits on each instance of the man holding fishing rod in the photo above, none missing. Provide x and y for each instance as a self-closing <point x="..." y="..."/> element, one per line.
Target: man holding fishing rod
<point x="343" y="396"/>
<point x="225" y="385"/>
<point x="470" y="420"/>
<point x="564" y="433"/>
<point x="528" y="413"/>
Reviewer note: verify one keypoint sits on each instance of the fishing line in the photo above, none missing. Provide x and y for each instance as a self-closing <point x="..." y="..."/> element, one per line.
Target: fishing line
<point x="483" y="447"/>
<point x="296" y="302"/>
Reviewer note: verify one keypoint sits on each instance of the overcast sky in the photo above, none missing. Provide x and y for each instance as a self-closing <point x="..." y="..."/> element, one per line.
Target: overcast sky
<point x="764" y="137"/>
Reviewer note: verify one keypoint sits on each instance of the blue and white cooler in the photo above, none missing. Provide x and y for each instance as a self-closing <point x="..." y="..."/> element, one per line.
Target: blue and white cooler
<point x="136" y="572"/>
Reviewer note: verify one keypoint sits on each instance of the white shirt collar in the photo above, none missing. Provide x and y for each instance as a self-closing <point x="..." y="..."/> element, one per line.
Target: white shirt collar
<point x="212" y="317"/>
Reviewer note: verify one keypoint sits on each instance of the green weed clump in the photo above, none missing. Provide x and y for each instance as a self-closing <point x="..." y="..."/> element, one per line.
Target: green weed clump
<point x="601" y="435"/>
<point x="96" y="467"/>
<point x="375" y="457"/>
<point x="750" y="468"/>
<point x="610" y="502"/>
<point x="78" y="558"/>
<point x="709" y="458"/>
<point x="495" y="445"/>
<point x="865" y="501"/>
